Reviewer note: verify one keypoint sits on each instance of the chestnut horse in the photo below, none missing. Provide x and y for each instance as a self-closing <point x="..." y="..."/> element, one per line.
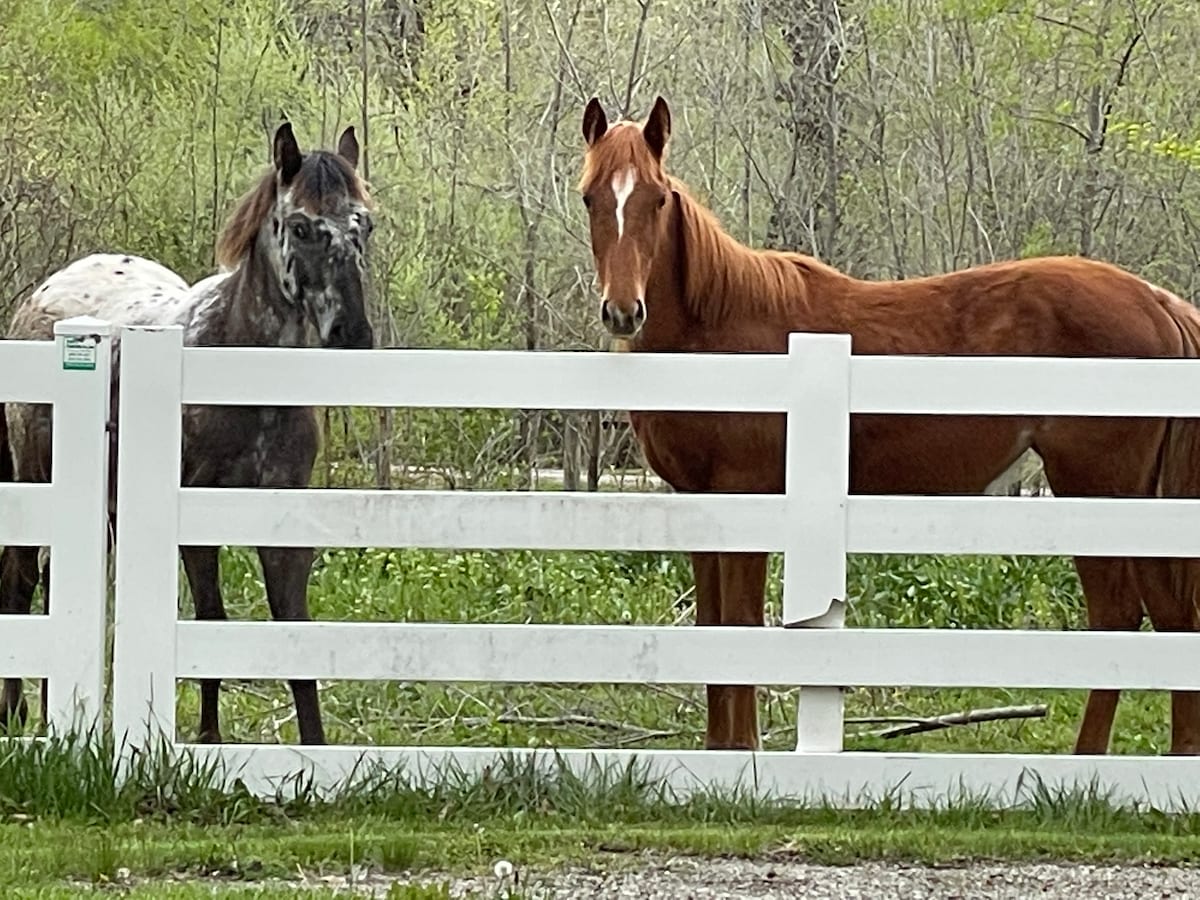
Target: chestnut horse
<point x="672" y="280"/>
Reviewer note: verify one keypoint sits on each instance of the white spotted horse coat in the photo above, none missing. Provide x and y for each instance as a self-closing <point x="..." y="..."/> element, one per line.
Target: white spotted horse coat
<point x="124" y="290"/>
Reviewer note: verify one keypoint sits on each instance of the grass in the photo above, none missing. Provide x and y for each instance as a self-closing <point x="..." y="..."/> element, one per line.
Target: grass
<point x="648" y="588"/>
<point x="66" y="826"/>
<point x="644" y="588"/>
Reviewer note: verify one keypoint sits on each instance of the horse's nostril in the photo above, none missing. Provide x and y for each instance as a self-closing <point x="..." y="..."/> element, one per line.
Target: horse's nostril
<point x="639" y="312"/>
<point x="606" y="312"/>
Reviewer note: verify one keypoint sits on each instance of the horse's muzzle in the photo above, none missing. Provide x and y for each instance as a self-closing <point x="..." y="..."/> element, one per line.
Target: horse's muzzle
<point x="621" y="323"/>
<point x="344" y="336"/>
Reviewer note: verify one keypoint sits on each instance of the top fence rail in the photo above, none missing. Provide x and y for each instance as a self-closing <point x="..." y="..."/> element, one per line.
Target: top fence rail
<point x="504" y="379"/>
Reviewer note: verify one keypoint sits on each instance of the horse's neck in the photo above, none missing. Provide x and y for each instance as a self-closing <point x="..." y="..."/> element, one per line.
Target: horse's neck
<point x="685" y="315"/>
<point x="250" y="310"/>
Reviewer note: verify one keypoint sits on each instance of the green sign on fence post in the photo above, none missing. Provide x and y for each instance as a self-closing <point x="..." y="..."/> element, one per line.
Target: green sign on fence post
<point x="79" y="352"/>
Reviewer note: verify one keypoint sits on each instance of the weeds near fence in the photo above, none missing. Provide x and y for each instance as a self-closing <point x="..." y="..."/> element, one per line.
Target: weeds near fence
<point x="179" y="828"/>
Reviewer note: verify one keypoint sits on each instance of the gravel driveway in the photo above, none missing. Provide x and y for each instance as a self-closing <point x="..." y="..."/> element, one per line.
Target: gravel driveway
<point x="693" y="878"/>
<point x="711" y="879"/>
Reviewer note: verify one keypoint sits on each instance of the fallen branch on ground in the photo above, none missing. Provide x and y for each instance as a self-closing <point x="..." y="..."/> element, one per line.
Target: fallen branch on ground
<point x="558" y="721"/>
<point x="918" y="724"/>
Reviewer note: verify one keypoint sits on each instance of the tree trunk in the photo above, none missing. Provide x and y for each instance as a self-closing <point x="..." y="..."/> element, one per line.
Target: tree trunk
<point x="807" y="214"/>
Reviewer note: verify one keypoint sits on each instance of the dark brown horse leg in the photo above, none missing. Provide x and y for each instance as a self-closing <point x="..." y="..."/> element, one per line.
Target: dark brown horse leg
<point x="1166" y="591"/>
<point x="286" y="571"/>
<point x="706" y="569"/>
<point x="46" y="610"/>
<point x="1113" y="604"/>
<point x="203" y="573"/>
<point x="18" y="580"/>
<point x="743" y="584"/>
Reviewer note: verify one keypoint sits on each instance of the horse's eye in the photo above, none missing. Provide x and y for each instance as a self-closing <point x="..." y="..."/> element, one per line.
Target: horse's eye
<point x="662" y="201"/>
<point x="301" y="231"/>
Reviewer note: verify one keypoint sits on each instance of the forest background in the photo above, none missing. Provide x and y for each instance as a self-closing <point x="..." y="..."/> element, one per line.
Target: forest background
<point x="891" y="139"/>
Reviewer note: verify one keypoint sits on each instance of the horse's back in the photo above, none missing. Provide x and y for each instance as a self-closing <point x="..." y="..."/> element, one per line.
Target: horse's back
<point x="1045" y="306"/>
<point x="119" y="288"/>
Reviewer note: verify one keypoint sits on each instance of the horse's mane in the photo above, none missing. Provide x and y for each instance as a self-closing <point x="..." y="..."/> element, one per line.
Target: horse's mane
<point x="723" y="277"/>
<point x="321" y="175"/>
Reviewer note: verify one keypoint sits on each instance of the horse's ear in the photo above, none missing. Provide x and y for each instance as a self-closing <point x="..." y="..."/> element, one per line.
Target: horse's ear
<point x="288" y="157"/>
<point x="657" y="130"/>
<point x="595" y="123"/>
<point x="348" y="147"/>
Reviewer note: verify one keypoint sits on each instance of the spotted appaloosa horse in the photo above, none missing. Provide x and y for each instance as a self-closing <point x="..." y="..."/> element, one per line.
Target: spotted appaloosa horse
<point x="294" y="259"/>
<point x="673" y="280"/>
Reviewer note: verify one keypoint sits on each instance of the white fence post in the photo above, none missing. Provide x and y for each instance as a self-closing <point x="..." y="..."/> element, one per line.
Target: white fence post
<point x="147" y="546"/>
<point x="78" y="543"/>
<point x="818" y="481"/>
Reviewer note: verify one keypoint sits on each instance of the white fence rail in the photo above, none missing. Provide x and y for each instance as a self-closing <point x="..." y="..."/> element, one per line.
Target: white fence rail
<point x="818" y="384"/>
<point x="69" y="515"/>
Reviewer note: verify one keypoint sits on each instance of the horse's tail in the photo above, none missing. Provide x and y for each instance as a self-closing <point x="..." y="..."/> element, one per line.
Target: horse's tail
<point x="1179" y="455"/>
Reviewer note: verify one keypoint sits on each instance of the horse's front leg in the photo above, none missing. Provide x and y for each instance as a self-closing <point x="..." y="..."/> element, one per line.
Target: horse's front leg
<point x="706" y="571"/>
<point x="203" y="574"/>
<point x="286" y="571"/>
<point x="743" y="590"/>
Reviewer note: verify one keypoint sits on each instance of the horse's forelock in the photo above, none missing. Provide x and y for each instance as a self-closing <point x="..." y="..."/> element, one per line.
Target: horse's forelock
<point x="621" y="147"/>
<point x="325" y="181"/>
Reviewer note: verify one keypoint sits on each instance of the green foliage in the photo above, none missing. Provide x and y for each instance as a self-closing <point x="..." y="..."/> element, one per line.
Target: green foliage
<point x="140" y="123"/>
<point x="964" y="592"/>
<point x="1144" y="137"/>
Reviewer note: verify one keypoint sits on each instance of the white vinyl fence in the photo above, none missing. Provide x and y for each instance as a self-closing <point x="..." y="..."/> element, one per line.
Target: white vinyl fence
<point x="68" y="515"/>
<point x="815" y="524"/>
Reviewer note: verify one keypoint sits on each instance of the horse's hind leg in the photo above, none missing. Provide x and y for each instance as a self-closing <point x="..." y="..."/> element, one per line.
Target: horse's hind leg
<point x="1107" y="458"/>
<point x="1113" y="604"/>
<point x="46" y="611"/>
<point x="203" y="573"/>
<point x="1169" y="603"/>
<point x="286" y="571"/>
<point x="18" y="580"/>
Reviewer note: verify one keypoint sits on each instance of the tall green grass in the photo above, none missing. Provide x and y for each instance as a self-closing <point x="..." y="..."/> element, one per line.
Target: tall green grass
<point x="73" y="779"/>
<point x="651" y="588"/>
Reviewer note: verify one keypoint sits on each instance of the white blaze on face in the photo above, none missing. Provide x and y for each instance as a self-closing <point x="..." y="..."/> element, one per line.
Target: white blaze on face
<point x="622" y="186"/>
